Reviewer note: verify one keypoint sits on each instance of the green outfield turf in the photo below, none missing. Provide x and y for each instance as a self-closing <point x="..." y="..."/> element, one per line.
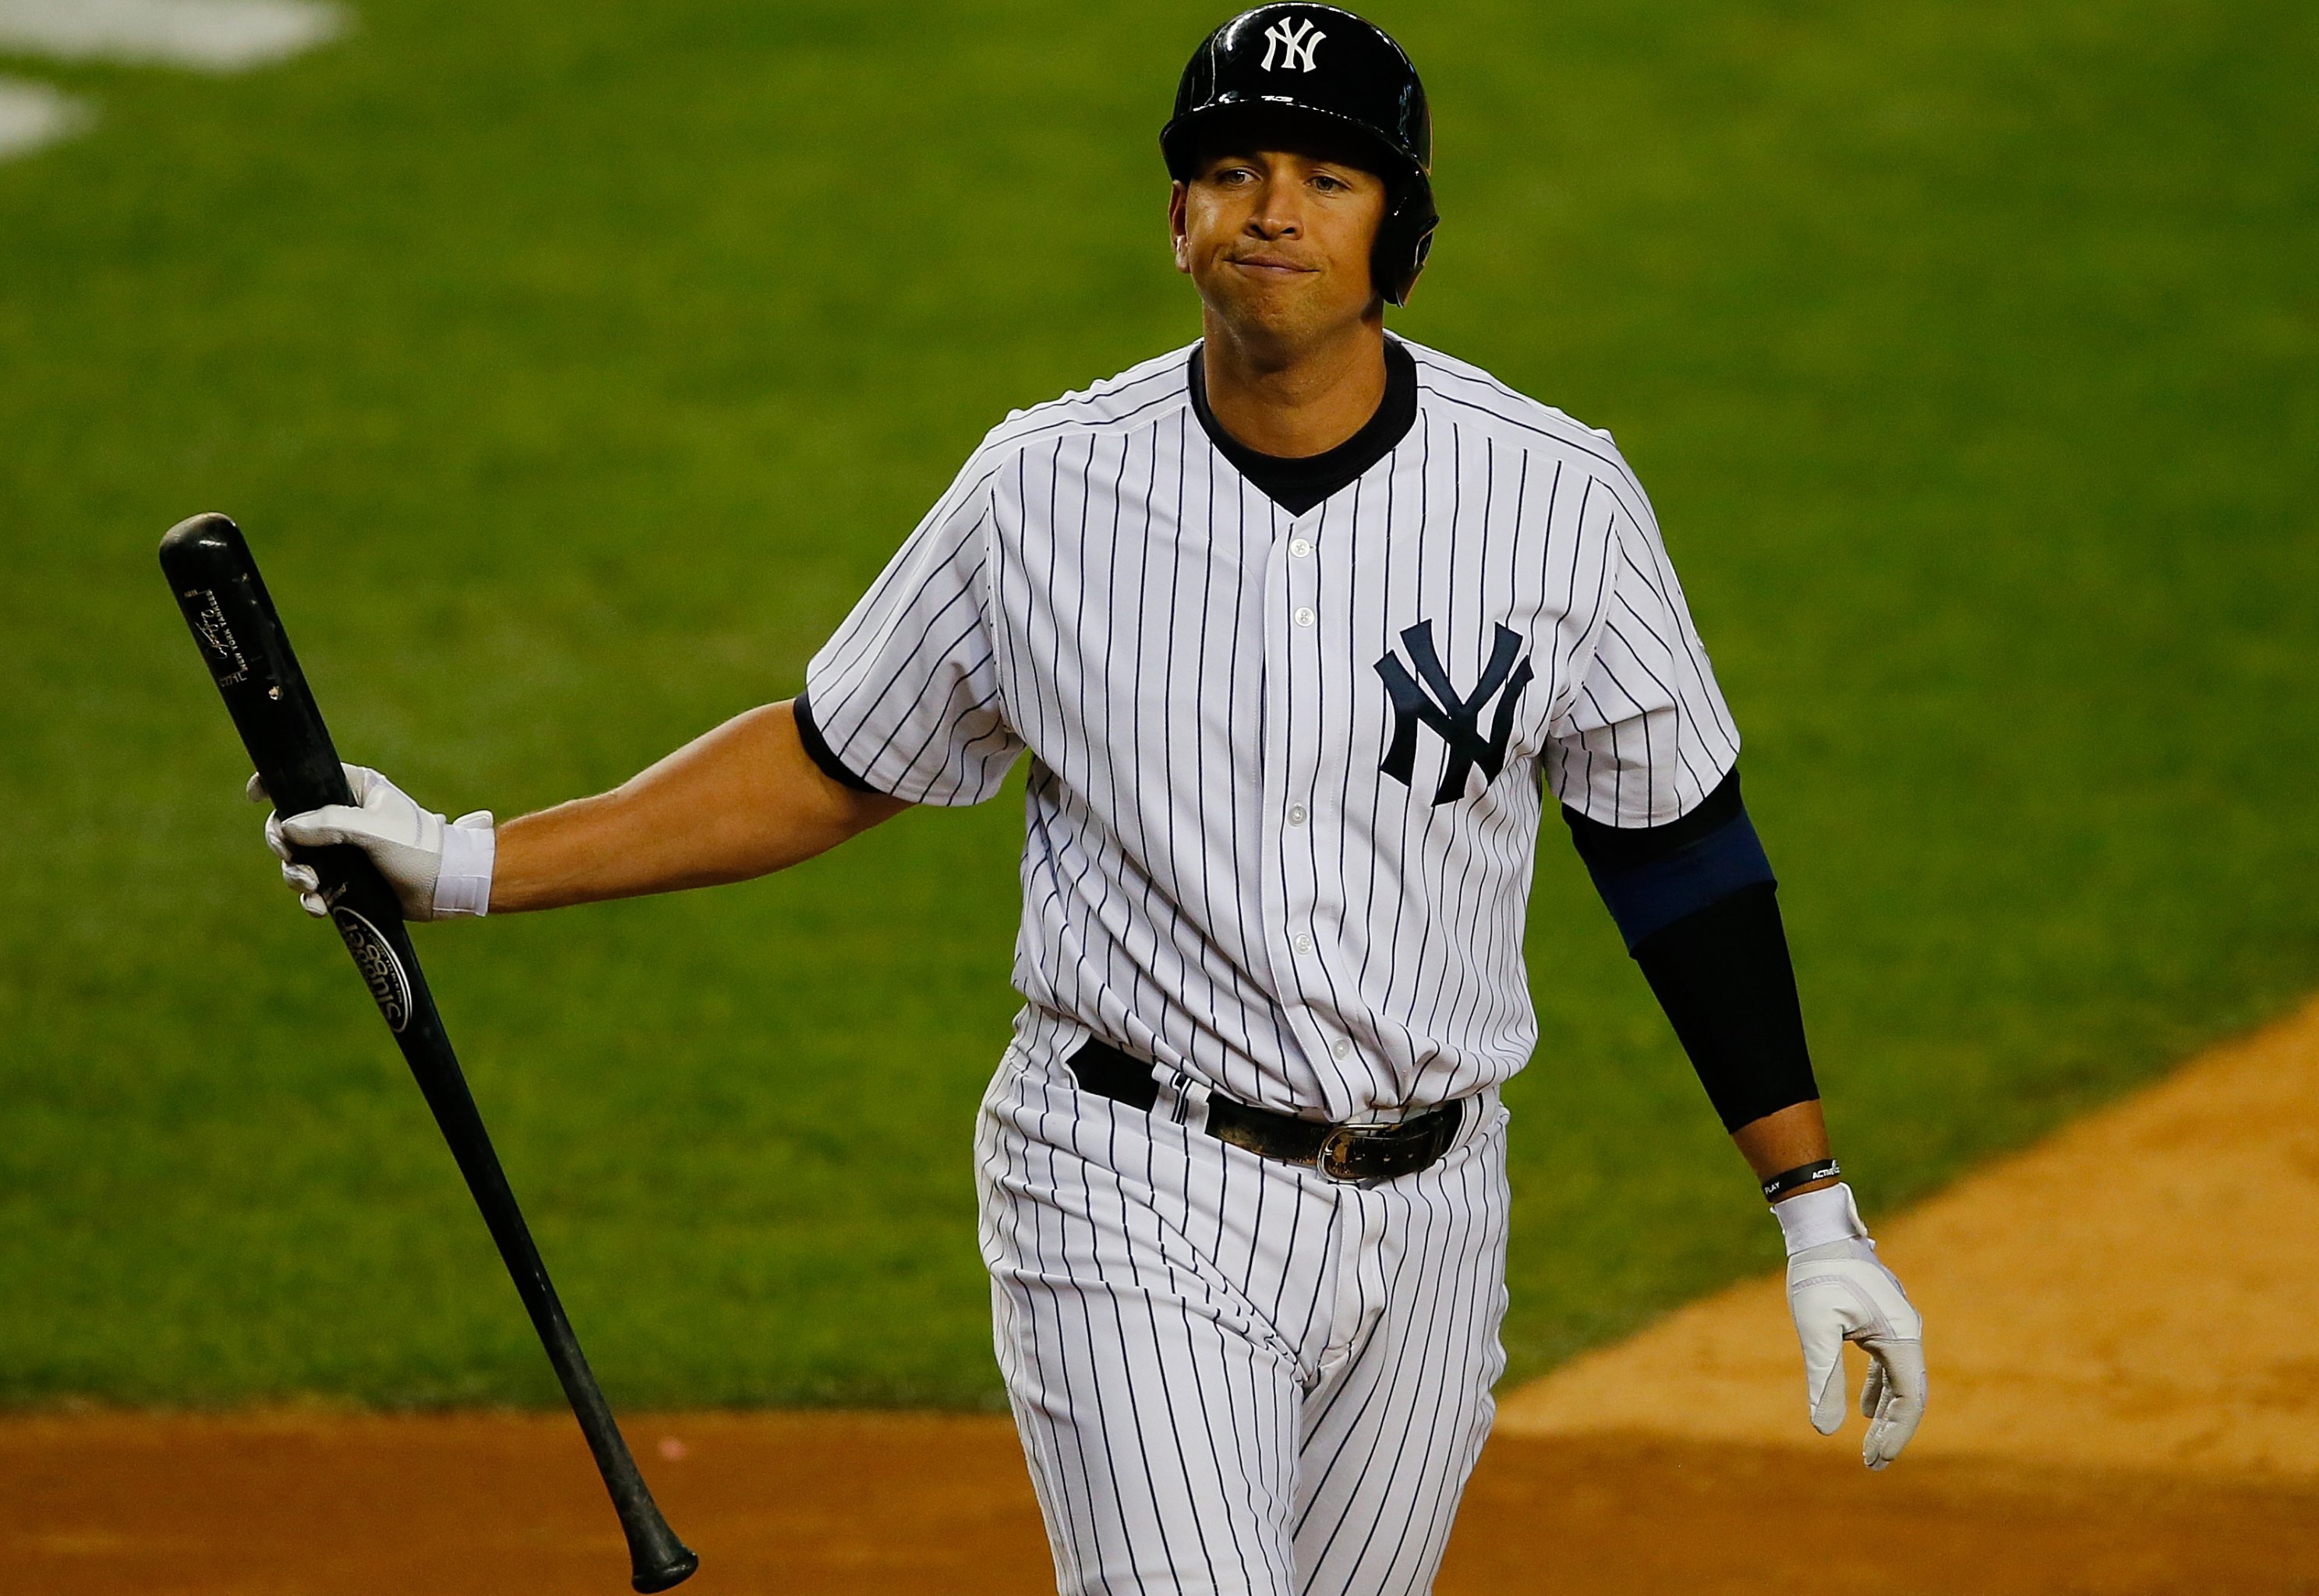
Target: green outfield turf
<point x="574" y="366"/>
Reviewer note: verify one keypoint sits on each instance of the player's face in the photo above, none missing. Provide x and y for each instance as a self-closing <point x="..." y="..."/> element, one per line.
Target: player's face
<point x="1279" y="239"/>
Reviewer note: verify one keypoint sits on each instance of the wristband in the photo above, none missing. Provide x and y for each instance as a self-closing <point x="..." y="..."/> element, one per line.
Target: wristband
<point x="1787" y="1180"/>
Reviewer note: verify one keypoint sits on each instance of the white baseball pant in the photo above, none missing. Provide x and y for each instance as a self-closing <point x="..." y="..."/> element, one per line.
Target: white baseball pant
<point x="1231" y="1373"/>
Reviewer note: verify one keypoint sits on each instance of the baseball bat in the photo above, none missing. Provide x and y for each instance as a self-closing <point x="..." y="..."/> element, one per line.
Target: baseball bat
<point x="225" y="602"/>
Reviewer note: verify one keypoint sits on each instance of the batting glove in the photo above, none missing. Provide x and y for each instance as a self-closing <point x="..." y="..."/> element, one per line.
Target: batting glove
<point x="1840" y="1290"/>
<point x="436" y="869"/>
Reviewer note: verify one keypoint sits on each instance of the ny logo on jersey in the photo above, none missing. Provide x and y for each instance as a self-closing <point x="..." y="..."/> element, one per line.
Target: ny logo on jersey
<point x="1295" y="40"/>
<point x="1457" y="717"/>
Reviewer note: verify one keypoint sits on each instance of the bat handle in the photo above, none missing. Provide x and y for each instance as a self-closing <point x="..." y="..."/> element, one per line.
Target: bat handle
<point x="657" y="1559"/>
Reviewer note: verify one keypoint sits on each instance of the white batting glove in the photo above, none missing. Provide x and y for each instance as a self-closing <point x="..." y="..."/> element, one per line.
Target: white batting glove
<point x="1840" y="1290"/>
<point x="436" y="869"/>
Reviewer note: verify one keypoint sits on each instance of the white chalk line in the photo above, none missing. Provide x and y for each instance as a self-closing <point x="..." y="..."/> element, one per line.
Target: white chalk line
<point x="212" y="36"/>
<point x="198" y="35"/>
<point x="32" y="116"/>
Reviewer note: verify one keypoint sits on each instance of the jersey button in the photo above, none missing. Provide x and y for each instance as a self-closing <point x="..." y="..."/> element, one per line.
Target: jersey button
<point x="1300" y="548"/>
<point x="1295" y="814"/>
<point x="1343" y="1050"/>
<point x="1305" y="618"/>
<point x="1304" y="945"/>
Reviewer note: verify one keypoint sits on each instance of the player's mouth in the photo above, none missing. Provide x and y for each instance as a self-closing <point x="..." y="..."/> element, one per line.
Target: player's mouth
<point x="1271" y="265"/>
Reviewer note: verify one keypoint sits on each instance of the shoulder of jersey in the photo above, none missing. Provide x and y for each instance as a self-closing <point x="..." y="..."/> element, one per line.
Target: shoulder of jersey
<point x="1467" y="386"/>
<point x="1144" y="390"/>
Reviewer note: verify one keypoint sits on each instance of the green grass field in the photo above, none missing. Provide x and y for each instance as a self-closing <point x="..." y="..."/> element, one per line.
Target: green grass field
<point x="574" y="366"/>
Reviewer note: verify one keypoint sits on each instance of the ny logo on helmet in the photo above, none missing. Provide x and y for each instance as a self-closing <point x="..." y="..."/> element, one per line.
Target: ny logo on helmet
<point x="1295" y="40"/>
<point x="1457" y="717"/>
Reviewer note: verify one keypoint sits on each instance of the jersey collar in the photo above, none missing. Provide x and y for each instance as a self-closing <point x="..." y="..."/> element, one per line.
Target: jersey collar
<point x="1296" y="485"/>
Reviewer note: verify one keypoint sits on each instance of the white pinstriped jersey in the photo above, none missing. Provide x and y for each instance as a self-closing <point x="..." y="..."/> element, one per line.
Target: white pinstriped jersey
<point x="1286" y="770"/>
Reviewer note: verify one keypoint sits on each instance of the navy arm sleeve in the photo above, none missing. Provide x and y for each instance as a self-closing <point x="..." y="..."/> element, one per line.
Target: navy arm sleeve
<point x="1697" y="904"/>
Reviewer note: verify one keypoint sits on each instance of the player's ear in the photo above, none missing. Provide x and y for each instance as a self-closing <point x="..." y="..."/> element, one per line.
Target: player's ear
<point x="1178" y="193"/>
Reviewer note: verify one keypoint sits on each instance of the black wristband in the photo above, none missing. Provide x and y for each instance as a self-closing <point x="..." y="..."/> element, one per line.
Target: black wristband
<point x="1787" y="1180"/>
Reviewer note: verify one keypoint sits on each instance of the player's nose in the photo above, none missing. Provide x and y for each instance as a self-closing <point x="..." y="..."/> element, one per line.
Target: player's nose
<point x="1276" y="214"/>
<point x="1269" y="221"/>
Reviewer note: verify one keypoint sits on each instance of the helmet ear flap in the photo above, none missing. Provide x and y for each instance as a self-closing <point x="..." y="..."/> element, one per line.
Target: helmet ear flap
<point x="1416" y="265"/>
<point x="1403" y="239"/>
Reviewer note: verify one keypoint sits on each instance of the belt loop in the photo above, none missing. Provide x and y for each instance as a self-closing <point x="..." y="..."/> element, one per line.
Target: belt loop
<point x="1190" y="1107"/>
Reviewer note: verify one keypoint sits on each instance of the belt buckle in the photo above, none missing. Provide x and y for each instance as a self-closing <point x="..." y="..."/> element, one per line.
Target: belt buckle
<point x="1334" y="1158"/>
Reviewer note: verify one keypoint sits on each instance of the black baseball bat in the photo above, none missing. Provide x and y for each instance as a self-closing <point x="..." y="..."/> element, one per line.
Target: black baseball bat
<point x="225" y="602"/>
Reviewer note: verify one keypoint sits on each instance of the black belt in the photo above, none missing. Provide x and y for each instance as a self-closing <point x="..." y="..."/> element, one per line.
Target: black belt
<point x="1362" y="1155"/>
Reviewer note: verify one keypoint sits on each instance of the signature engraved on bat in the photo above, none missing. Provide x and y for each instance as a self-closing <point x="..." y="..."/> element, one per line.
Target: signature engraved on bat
<point x="210" y="626"/>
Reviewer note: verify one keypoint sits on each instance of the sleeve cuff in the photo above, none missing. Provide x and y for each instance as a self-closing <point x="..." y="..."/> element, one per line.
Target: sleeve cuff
<point x="1610" y="849"/>
<point x="817" y="749"/>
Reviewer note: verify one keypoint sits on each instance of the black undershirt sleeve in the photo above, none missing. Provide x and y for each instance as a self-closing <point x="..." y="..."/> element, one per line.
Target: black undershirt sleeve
<point x="1701" y="916"/>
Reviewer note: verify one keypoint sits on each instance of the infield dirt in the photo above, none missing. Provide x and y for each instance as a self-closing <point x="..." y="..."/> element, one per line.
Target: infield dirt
<point x="852" y="1504"/>
<point x="2125" y="1400"/>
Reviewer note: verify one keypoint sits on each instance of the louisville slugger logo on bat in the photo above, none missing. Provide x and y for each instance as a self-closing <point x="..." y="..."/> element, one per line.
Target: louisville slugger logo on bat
<point x="390" y="988"/>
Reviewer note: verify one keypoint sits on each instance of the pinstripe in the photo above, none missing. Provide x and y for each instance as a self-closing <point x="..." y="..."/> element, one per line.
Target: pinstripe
<point x="1371" y="1357"/>
<point x="1231" y="1374"/>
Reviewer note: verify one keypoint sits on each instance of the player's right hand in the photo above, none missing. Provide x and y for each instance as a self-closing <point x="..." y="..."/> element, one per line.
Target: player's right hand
<point x="1840" y="1290"/>
<point x="438" y="869"/>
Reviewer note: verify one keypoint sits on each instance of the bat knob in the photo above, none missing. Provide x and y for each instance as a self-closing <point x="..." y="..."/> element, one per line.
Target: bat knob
<point x="672" y="1566"/>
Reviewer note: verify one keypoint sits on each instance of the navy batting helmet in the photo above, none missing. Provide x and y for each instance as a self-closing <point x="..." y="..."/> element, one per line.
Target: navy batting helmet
<point x="1318" y="62"/>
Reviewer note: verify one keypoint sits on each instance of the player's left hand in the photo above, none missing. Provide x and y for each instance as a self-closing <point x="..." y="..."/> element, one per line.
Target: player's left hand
<point x="435" y="868"/>
<point x="1840" y="1290"/>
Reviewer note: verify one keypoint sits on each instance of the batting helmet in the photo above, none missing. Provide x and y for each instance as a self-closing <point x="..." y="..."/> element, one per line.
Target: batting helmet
<point x="1329" y="64"/>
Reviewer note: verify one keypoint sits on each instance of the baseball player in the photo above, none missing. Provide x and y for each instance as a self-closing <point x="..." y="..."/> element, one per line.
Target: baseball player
<point x="1298" y="627"/>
